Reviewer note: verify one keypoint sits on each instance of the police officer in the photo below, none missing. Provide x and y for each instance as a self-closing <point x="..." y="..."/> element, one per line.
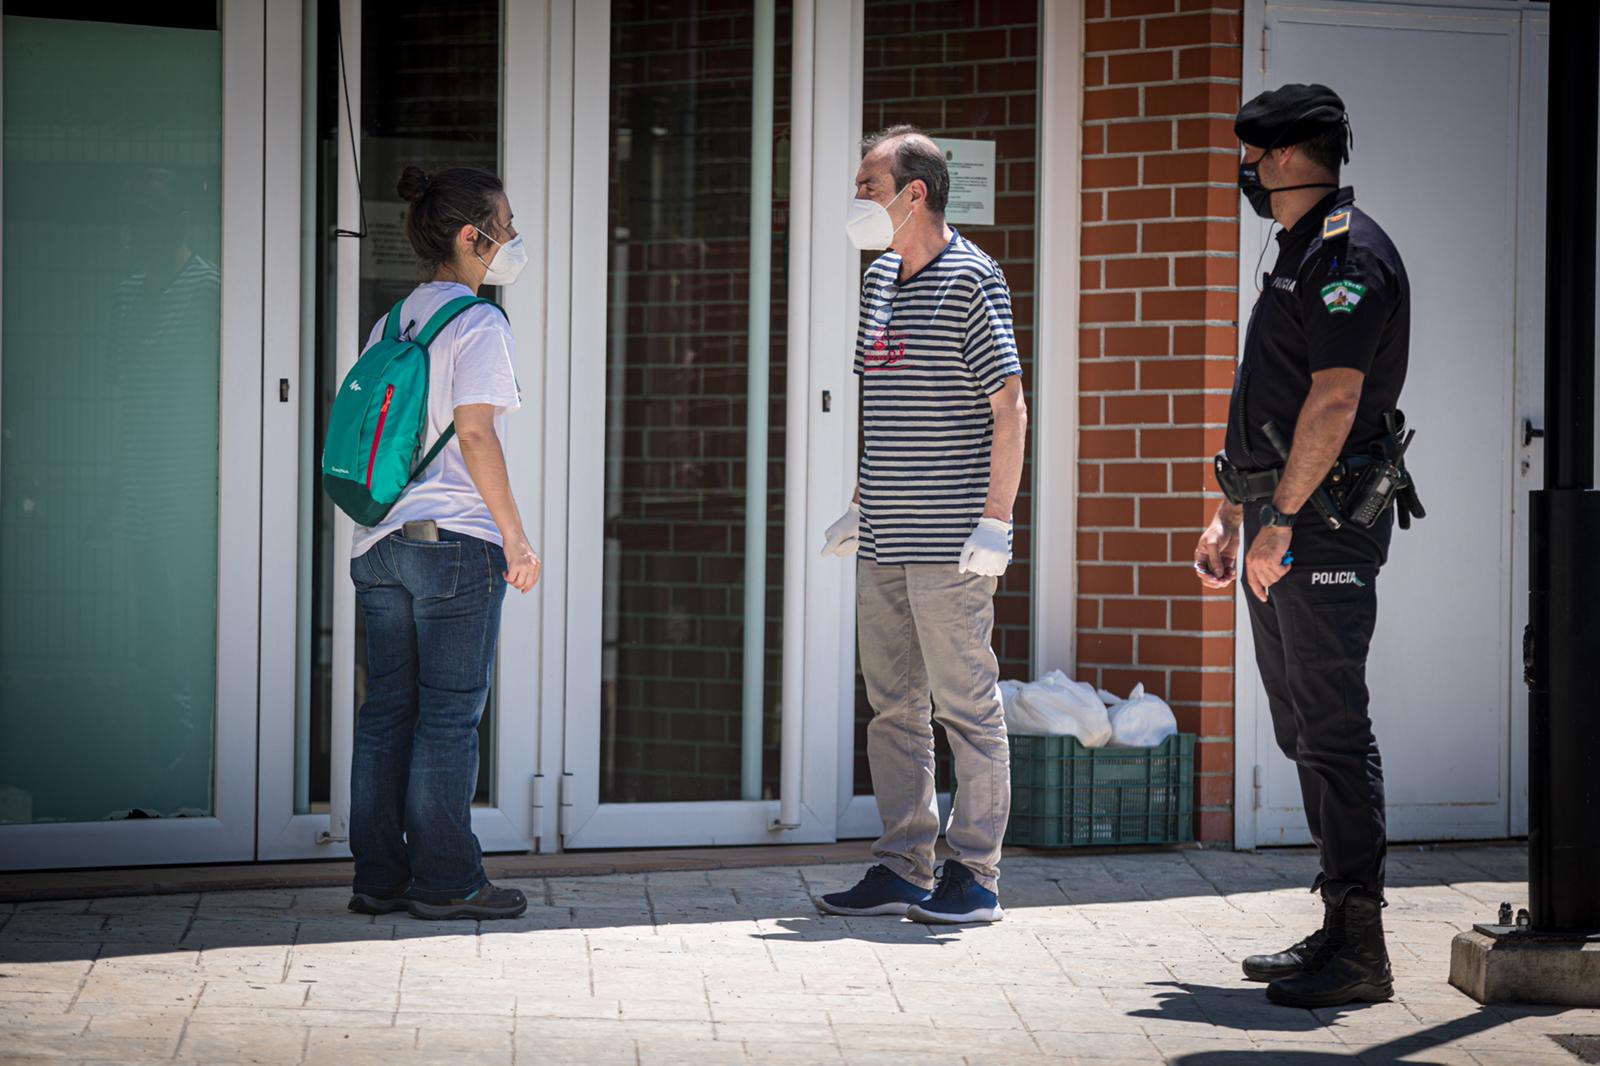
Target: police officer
<point x="1324" y="361"/>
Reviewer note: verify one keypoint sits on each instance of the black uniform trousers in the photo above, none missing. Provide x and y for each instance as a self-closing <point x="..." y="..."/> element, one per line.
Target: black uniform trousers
<point x="1312" y="636"/>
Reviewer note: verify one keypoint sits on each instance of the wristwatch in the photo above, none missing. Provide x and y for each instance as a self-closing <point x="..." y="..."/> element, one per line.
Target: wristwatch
<point x="1271" y="517"/>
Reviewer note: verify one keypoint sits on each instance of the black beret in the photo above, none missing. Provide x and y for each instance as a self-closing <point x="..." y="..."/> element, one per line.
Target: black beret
<point x="1292" y="114"/>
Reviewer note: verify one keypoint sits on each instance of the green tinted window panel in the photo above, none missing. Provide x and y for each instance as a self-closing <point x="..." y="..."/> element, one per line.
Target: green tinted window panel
<point x="109" y="370"/>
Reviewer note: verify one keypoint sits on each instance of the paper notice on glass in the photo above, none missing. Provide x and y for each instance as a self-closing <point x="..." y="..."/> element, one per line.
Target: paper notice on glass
<point x="386" y="254"/>
<point x="972" y="181"/>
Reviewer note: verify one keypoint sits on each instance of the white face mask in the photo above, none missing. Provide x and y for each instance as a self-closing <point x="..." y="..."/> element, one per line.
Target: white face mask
<point x="869" y="226"/>
<point x="508" y="260"/>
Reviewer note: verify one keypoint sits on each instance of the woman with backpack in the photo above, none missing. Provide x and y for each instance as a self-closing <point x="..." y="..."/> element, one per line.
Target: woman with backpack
<point x="434" y="551"/>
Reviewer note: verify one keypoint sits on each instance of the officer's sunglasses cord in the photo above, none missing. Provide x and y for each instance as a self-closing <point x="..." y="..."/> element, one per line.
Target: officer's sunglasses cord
<point x="1262" y="258"/>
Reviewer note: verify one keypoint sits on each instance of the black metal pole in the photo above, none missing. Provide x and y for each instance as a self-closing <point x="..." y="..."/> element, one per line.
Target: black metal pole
<point x="1574" y="123"/>
<point x="1563" y="642"/>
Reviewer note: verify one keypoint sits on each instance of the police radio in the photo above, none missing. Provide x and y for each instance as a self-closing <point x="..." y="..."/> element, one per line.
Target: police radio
<point x="1375" y="491"/>
<point x="1386" y="479"/>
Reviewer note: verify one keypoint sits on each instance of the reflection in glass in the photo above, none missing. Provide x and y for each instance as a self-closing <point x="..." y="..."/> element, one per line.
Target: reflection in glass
<point x="677" y="360"/>
<point x="109" y="372"/>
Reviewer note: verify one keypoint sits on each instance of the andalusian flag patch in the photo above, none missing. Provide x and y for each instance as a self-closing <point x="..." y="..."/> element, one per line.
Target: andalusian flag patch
<point x="1341" y="297"/>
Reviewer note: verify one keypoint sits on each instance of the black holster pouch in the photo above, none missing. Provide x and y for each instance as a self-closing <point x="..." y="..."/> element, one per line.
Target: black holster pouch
<point x="1242" y="486"/>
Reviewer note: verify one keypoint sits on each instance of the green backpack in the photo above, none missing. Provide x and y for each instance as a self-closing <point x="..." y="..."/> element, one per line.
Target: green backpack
<point x="380" y="416"/>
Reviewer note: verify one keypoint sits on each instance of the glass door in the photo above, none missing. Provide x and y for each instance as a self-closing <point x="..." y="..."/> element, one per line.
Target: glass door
<point x="979" y="92"/>
<point x="384" y="86"/>
<point x="687" y="720"/>
<point x="130" y="432"/>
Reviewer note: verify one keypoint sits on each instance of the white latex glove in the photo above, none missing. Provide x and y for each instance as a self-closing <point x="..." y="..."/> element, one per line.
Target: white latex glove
<point x="988" y="550"/>
<point x="844" y="536"/>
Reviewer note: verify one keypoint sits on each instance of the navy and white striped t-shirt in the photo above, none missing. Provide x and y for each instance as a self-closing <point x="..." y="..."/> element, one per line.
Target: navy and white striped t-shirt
<point x="930" y="350"/>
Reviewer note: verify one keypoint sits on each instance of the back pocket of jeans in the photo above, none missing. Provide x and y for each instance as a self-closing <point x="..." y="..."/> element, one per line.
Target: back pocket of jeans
<point x="430" y="570"/>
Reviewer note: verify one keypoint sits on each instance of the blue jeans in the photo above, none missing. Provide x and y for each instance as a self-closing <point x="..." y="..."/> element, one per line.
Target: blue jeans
<point x="433" y="616"/>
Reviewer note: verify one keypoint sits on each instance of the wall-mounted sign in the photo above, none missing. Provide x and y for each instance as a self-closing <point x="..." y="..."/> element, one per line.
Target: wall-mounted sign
<point x="972" y="182"/>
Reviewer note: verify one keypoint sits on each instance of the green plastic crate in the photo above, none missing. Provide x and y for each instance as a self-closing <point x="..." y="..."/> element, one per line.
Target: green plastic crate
<point x="1066" y="795"/>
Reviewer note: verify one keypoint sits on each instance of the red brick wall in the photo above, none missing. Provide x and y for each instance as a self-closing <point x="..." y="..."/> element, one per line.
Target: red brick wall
<point x="969" y="70"/>
<point x="1159" y="337"/>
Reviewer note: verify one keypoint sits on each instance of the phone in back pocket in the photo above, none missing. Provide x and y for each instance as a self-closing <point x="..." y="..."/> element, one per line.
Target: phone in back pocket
<point x="426" y="529"/>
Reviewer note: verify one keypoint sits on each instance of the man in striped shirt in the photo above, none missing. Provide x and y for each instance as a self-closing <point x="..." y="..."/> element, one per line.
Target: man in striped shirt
<point x="945" y="427"/>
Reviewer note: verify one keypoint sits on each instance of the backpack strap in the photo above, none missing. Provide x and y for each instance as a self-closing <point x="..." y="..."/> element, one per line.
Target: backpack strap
<point x="447" y="314"/>
<point x="442" y="318"/>
<point x="433" y="452"/>
<point x="391" y="325"/>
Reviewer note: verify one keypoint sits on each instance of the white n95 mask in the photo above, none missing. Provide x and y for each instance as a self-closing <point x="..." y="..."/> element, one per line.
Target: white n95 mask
<point x="508" y="260"/>
<point x="869" y="226"/>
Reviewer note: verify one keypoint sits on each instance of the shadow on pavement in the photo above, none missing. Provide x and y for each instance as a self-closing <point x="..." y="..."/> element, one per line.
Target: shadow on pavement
<point x="1248" y="1009"/>
<point x="779" y="898"/>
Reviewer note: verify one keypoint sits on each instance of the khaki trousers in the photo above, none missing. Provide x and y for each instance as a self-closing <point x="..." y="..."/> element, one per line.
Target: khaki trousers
<point x="924" y="633"/>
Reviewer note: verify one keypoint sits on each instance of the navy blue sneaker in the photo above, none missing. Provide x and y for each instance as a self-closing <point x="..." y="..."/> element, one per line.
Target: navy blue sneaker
<point x="882" y="891"/>
<point x="958" y="899"/>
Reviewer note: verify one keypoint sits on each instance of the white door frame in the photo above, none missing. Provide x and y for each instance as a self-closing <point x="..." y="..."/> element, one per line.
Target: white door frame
<point x="1252" y="719"/>
<point x="278" y="830"/>
<point x="228" y="835"/>
<point x="841" y="75"/>
<point x="1529" y="404"/>
<point x="511" y="824"/>
<point x="811" y="486"/>
<point x="546" y="355"/>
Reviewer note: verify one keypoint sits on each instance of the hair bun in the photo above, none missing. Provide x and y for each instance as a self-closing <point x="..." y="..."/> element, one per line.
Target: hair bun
<point x="413" y="184"/>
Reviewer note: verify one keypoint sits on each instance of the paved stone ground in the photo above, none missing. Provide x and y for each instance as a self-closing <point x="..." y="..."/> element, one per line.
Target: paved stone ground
<point x="1104" y="960"/>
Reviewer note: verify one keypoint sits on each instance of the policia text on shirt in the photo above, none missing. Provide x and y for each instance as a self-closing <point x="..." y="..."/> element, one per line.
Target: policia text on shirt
<point x="1324" y="362"/>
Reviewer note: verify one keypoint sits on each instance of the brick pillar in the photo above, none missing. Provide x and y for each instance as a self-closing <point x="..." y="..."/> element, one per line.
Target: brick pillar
<point x="1159" y="337"/>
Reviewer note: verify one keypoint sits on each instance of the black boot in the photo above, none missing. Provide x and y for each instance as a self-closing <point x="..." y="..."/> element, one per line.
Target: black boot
<point x="1289" y="961"/>
<point x="1352" y="965"/>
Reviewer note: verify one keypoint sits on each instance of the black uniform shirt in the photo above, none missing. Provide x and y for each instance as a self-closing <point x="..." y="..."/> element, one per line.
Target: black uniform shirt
<point x="1337" y="297"/>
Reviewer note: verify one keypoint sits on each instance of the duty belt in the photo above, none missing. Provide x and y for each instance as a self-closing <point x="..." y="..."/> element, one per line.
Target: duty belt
<point x="1359" y="489"/>
<point x="1240" y="485"/>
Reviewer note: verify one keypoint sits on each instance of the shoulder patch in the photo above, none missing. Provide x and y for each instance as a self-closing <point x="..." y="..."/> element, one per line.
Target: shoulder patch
<point x="1336" y="223"/>
<point x="1341" y="297"/>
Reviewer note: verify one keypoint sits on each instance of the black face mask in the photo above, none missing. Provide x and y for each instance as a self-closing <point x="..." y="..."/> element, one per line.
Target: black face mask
<point x="1259" y="195"/>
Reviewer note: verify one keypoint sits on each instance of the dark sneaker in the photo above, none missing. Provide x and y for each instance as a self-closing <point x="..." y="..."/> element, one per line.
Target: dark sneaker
<point x="490" y="901"/>
<point x="368" y="903"/>
<point x="1352" y="965"/>
<point x="881" y="891"/>
<point x="958" y="899"/>
<point x="1289" y="961"/>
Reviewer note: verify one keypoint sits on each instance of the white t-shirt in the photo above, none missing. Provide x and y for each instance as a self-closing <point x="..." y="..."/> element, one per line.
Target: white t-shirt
<point x="469" y="362"/>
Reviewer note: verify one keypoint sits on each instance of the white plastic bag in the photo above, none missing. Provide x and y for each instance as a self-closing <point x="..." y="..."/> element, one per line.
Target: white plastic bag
<point x="1056" y="705"/>
<point x="1141" y="721"/>
<point x="1009" y="690"/>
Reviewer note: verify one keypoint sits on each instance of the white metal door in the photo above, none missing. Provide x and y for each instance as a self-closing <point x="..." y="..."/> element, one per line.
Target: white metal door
<point x="1434" y="96"/>
<point x="628" y="807"/>
<point x="157" y="164"/>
